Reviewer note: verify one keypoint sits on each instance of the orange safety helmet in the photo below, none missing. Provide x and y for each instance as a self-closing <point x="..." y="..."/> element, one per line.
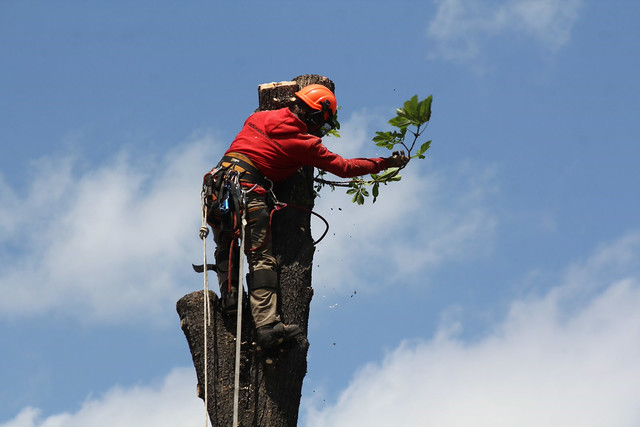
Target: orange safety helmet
<point x="315" y="96"/>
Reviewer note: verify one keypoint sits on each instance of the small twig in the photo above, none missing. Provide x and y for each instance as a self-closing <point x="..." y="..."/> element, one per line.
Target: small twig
<point x="333" y="183"/>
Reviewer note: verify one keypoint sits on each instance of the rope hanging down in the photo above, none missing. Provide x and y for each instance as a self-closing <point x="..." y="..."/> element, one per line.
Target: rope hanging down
<point x="236" y="379"/>
<point x="204" y="232"/>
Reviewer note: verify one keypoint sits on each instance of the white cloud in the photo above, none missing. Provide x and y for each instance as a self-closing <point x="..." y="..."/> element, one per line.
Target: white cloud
<point x="105" y="243"/>
<point x="460" y="27"/>
<point x="567" y="358"/>
<point x="169" y="404"/>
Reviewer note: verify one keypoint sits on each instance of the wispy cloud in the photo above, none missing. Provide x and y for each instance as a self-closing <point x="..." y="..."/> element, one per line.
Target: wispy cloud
<point x="168" y="404"/>
<point x="569" y="357"/>
<point x="460" y="28"/>
<point x="107" y="243"/>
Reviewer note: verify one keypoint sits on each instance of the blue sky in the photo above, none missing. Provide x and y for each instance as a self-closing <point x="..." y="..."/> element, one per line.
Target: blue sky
<point x="497" y="284"/>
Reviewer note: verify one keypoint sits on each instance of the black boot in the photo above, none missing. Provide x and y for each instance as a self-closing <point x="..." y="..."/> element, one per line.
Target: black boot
<point x="275" y="334"/>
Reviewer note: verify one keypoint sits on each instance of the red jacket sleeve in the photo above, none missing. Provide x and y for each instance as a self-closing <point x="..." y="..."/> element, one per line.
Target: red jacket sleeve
<point x="321" y="158"/>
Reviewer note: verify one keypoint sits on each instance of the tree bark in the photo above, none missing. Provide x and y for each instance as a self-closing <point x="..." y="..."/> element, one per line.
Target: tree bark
<point x="269" y="394"/>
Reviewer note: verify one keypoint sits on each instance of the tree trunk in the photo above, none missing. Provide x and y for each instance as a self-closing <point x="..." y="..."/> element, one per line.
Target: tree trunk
<point x="269" y="394"/>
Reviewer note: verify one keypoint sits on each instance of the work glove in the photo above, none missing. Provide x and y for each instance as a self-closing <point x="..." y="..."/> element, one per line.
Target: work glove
<point x="397" y="160"/>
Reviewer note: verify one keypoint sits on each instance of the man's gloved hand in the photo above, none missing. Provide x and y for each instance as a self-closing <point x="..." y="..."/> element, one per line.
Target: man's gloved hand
<point x="397" y="160"/>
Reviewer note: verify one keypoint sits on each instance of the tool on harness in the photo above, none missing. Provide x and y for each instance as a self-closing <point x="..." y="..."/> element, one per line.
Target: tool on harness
<point x="230" y="201"/>
<point x="223" y="187"/>
<point x="200" y="268"/>
<point x="218" y="194"/>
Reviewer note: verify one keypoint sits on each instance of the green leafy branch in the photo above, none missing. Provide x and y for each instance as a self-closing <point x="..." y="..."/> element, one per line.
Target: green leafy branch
<point x="410" y="121"/>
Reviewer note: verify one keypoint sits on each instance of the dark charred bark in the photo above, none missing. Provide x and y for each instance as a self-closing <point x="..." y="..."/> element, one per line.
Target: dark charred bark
<point x="269" y="394"/>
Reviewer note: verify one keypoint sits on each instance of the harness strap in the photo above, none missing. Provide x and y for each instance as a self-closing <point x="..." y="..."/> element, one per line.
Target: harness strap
<point x="248" y="171"/>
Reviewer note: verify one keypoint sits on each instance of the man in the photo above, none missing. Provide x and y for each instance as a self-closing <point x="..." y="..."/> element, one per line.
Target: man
<point x="271" y="147"/>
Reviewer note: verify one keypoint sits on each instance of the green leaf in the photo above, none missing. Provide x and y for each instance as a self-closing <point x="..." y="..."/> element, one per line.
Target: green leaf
<point x="387" y="145"/>
<point x="424" y="109"/>
<point x="411" y="106"/>
<point x="387" y="173"/>
<point x="400" y="122"/>
<point x="383" y="137"/>
<point x="424" y="147"/>
<point x="334" y="133"/>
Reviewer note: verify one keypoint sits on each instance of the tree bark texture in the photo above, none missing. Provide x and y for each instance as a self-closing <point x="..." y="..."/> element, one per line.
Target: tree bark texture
<point x="269" y="394"/>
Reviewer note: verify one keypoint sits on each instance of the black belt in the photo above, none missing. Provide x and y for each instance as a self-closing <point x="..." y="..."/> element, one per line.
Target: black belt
<point x="248" y="172"/>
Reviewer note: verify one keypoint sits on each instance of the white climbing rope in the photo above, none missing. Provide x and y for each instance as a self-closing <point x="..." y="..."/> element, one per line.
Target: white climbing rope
<point x="236" y="380"/>
<point x="204" y="232"/>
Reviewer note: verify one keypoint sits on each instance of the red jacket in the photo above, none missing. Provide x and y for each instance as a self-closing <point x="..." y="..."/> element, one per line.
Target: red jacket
<point x="278" y="144"/>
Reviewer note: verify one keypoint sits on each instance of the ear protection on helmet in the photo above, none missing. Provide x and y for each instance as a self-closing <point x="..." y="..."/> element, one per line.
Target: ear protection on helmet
<point x="322" y="116"/>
